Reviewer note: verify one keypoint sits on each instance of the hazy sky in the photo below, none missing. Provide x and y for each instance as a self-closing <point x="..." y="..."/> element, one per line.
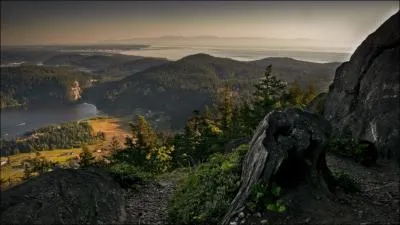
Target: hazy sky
<point x="339" y="23"/>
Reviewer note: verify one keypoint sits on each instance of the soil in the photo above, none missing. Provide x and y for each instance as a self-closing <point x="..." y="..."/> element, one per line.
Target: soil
<point x="377" y="203"/>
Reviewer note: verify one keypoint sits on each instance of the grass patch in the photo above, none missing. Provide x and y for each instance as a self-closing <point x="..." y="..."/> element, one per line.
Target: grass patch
<point x="206" y="193"/>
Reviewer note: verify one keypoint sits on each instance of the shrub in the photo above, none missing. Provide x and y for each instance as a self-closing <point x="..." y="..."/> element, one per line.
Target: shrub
<point x="266" y="198"/>
<point x="204" y="196"/>
<point x="361" y="151"/>
<point x="127" y="175"/>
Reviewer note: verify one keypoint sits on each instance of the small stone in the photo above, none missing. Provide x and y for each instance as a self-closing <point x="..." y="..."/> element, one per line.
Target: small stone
<point x="264" y="221"/>
<point x="241" y="215"/>
<point x="243" y="221"/>
<point x="360" y="212"/>
<point x="307" y="220"/>
<point x="258" y="214"/>
<point x="233" y="223"/>
<point x="365" y="223"/>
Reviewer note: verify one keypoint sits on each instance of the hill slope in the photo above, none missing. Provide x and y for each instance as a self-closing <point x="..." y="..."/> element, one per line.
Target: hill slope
<point x="179" y="87"/>
<point x="33" y="85"/>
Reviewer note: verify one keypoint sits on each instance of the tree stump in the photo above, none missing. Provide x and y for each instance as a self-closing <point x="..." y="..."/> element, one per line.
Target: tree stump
<point x="288" y="149"/>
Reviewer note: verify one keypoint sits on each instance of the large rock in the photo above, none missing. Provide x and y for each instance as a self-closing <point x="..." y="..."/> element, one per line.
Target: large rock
<point x="363" y="100"/>
<point x="64" y="196"/>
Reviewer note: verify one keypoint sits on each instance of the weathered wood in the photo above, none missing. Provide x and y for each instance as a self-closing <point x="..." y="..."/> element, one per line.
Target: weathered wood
<point x="287" y="148"/>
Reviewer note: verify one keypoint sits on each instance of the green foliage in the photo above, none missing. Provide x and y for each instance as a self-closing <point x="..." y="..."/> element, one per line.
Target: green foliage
<point x="86" y="157"/>
<point x="344" y="181"/>
<point x="65" y="135"/>
<point x="127" y="174"/>
<point x="351" y="148"/>
<point x="146" y="150"/>
<point x="145" y="136"/>
<point x="38" y="165"/>
<point x="266" y="198"/>
<point x="267" y="97"/>
<point x="204" y="196"/>
<point x="203" y="137"/>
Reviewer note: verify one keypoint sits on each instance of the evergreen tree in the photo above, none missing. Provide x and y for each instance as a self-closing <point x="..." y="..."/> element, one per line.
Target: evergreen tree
<point x="225" y="108"/>
<point x="267" y="97"/>
<point x="86" y="157"/>
<point x="145" y="136"/>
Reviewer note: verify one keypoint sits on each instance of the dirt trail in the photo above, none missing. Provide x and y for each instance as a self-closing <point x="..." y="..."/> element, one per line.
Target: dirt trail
<point x="148" y="203"/>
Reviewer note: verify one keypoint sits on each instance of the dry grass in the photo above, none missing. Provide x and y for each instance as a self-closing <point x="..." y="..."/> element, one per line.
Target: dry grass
<point x="110" y="126"/>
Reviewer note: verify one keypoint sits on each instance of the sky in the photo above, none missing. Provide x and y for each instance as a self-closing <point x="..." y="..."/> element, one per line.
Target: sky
<point x="336" y="23"/>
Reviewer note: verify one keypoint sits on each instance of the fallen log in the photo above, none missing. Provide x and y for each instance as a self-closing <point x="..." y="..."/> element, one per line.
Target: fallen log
<point x="288" y="148"/>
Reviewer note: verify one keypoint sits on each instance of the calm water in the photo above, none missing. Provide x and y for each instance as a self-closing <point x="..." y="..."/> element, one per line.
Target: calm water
<point x="241" y="54"/>
<point x="16" y="122"/>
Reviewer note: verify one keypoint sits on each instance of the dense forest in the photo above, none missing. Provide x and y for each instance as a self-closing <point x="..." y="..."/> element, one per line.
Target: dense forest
<point x="33" y="85"/>
<point x="64" y="136"/>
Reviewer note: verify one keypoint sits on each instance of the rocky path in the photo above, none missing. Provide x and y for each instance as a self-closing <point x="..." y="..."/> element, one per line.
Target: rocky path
<point x="378" y="202"/>
<point x="147" y="204"/>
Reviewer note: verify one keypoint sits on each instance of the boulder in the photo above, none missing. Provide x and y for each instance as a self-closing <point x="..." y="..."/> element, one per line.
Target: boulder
<point x="363" y="100"/>
<point x="65" y="196"/>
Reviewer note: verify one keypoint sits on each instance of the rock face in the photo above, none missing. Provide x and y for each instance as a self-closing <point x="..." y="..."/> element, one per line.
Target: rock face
<point x="288" y="148"/>
<point x="75" y="91"/>
<point x="363" y="100"/>
<point x="65" y="196"/>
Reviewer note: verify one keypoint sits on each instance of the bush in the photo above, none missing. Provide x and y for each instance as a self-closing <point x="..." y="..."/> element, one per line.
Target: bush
<point x="127" y="175"/>
<point x="361" y="151"/>
<point x="262" y="197"/>
<point x="204" y="196"/>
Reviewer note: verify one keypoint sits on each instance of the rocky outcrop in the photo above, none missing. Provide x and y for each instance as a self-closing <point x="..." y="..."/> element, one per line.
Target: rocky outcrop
<point x="75" y="91"/>
<point x="65" y="196"/>
<point x="363" y="100"/>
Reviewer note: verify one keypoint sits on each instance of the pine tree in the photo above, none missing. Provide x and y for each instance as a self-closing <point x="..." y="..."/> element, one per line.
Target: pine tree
<point x="145" y="136"/>
<point x="225" y="108"/>
<point x="268" y="96"/>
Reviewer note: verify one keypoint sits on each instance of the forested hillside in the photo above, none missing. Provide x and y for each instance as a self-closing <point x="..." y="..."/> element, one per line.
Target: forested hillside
<point x="34" y="85"/>
<point x="192" y="82"/>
